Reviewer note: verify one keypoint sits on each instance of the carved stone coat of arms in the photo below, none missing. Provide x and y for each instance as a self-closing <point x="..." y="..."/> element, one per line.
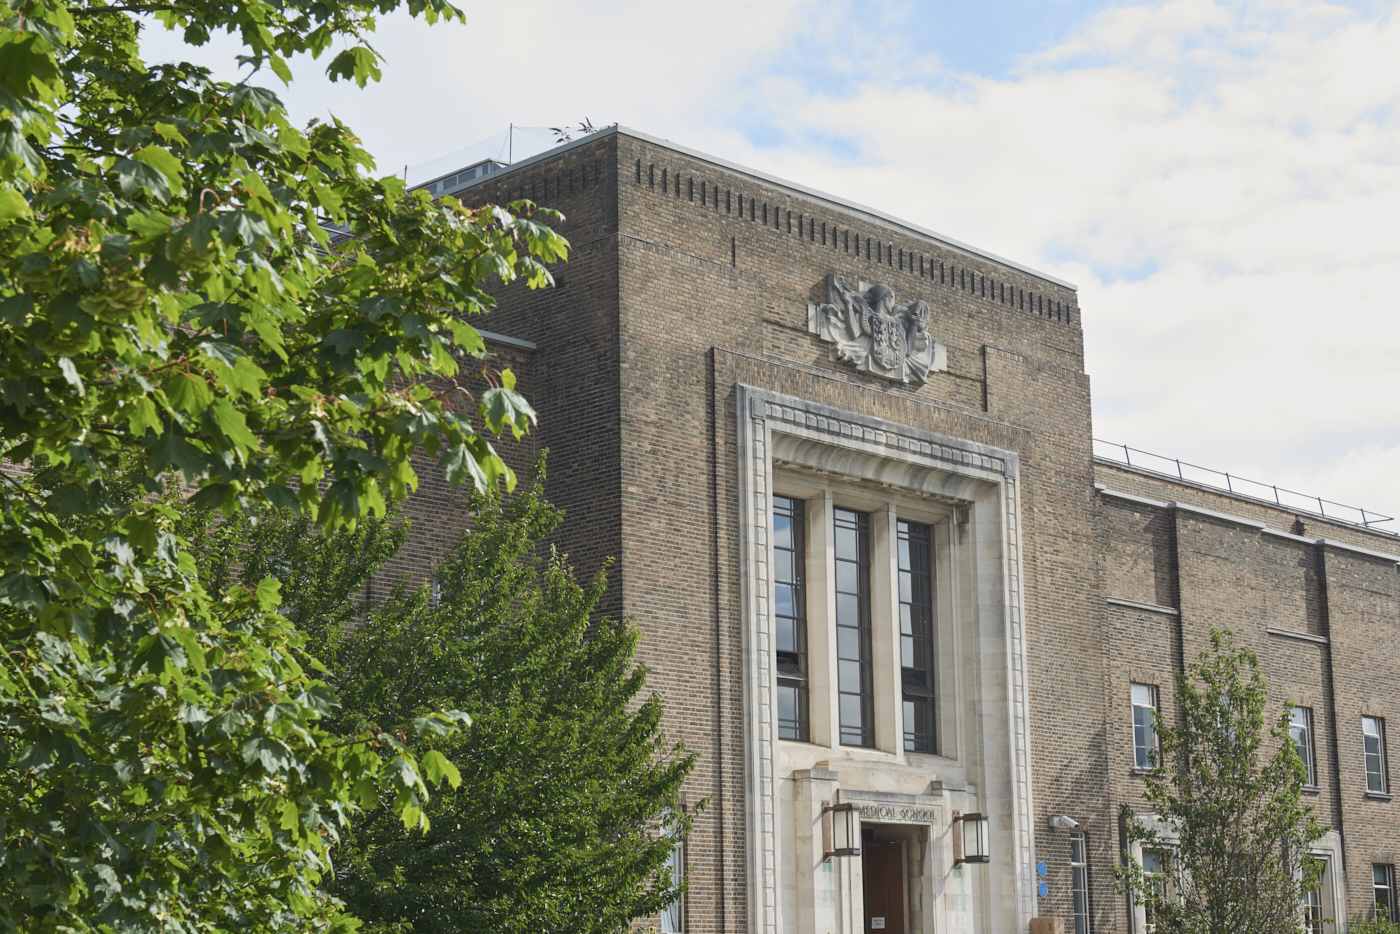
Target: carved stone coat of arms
<point x="866" y="327"/>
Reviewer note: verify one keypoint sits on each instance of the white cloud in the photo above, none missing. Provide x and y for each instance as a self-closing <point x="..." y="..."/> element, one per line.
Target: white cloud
<point x="1221" y="177"/>
<point x="1221" y="180"/>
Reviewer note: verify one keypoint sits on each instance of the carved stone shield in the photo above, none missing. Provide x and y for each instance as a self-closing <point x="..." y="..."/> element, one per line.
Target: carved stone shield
<point x="887" y="342"/>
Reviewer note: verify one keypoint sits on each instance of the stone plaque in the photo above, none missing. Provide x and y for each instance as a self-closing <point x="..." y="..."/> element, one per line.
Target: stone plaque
<point x="897" y="813"/>
<point x="867" y="328"/>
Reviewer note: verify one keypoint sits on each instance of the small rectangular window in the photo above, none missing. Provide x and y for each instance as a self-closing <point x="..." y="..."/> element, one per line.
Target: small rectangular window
<point x="1144" y="733"/>
<point x="1373" y="736"/>
<point x="916" y="636"/>
<point x="1079" y="881"/>
<point x="1300" y="728"/>
<point x="1383" y="884"/>
<point x="853" y="655"/>
<point x="672" y="917"/>
<point x="790" y="616"/>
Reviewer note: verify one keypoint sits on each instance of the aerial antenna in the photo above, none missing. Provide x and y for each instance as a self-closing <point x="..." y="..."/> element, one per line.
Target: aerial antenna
<point x="510" y="145"/>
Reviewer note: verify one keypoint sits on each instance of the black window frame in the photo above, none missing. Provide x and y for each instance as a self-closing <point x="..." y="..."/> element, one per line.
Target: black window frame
<point x="914" y="561"/>
<point x="790" y="655"/>
<point x="857" y="667"/>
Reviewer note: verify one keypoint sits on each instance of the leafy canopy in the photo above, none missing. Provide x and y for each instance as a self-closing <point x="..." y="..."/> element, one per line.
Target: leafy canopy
<point x="568" y="806"/>
<point x="173" y="306"/>
<point x="1228" y="823"/>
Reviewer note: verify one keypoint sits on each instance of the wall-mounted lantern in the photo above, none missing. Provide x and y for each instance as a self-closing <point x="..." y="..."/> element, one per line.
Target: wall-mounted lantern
<point x="971" y="838"/>
<point x="840" y="829"/>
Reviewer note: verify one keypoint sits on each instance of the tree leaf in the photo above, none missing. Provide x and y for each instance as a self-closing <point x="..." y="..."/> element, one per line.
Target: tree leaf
<point x="437" y="768"/>
<point x="13" y="205"/>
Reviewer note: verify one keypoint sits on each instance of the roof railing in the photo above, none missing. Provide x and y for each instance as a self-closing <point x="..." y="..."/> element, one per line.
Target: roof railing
<point x="1238" y="486"/>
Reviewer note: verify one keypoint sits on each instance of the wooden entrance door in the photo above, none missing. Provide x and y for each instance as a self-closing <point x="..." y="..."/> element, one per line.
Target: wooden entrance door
<point x="884" y="874"/>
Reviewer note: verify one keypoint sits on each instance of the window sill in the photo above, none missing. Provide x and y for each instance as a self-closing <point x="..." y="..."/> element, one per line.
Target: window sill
<point x="1379" y="796"/>
<point x="1137" y="771"/>
<point x="1311" y="790"/>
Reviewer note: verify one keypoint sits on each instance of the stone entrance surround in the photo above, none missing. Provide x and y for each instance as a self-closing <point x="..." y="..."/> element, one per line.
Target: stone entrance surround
<point x="984" y="700"/>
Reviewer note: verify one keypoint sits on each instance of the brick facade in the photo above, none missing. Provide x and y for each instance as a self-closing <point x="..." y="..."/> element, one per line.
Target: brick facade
<point x="689" y="280"/>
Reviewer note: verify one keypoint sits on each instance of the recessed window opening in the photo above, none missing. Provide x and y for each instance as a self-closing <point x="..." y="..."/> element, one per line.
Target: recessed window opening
<point x="673" y="915"/>
<point x="1079" y="881"/>
<point x="1300" y="729"/>
<point x="1144" y="733"/>
<point x="1154" y="868"/>
<point x="1313" y="914"/>
<point x="1383" y="887"/>
<point x="1373" y="738"/>
<point x="790" y="612"/>
<point x="853" y="653"/>
<point x="916" y="636"/>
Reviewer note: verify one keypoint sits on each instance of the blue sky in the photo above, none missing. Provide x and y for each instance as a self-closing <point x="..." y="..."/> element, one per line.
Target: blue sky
<point x="1220" y="177"/>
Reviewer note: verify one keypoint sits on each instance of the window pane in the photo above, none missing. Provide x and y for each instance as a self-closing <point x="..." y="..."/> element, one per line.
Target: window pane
<point x="850" y="713"/>
<point x="782" y="564"/>
<point x="847" y="642"/>
<point x="848" y="674"/>
<point x="786" y="640"/>
<point x="1142" y="696"/>
<point x="845" y="543"/>
<point x="787" y="705"/>
<point x="784" y="600"/>
<point x="782" y="529"/>
<point x="847" y="577"/>
<point x="1144" y="738"/>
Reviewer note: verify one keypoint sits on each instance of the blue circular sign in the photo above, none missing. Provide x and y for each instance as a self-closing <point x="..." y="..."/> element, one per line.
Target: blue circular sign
<point x="1044" y="890"/>
<point x="1040" y="868"/>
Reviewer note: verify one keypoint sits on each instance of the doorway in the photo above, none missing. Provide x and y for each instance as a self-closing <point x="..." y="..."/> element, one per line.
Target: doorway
<point x="884" y="870"/>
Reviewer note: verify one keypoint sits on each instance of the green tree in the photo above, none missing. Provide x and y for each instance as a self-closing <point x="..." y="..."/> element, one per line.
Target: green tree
<point x="569" y="803"/>
<point x="171" y="303"/>
<point x="1231" y="830"/>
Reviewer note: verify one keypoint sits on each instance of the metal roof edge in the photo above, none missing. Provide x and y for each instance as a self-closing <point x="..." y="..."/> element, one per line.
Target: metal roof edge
<point x="813" y="193"/>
